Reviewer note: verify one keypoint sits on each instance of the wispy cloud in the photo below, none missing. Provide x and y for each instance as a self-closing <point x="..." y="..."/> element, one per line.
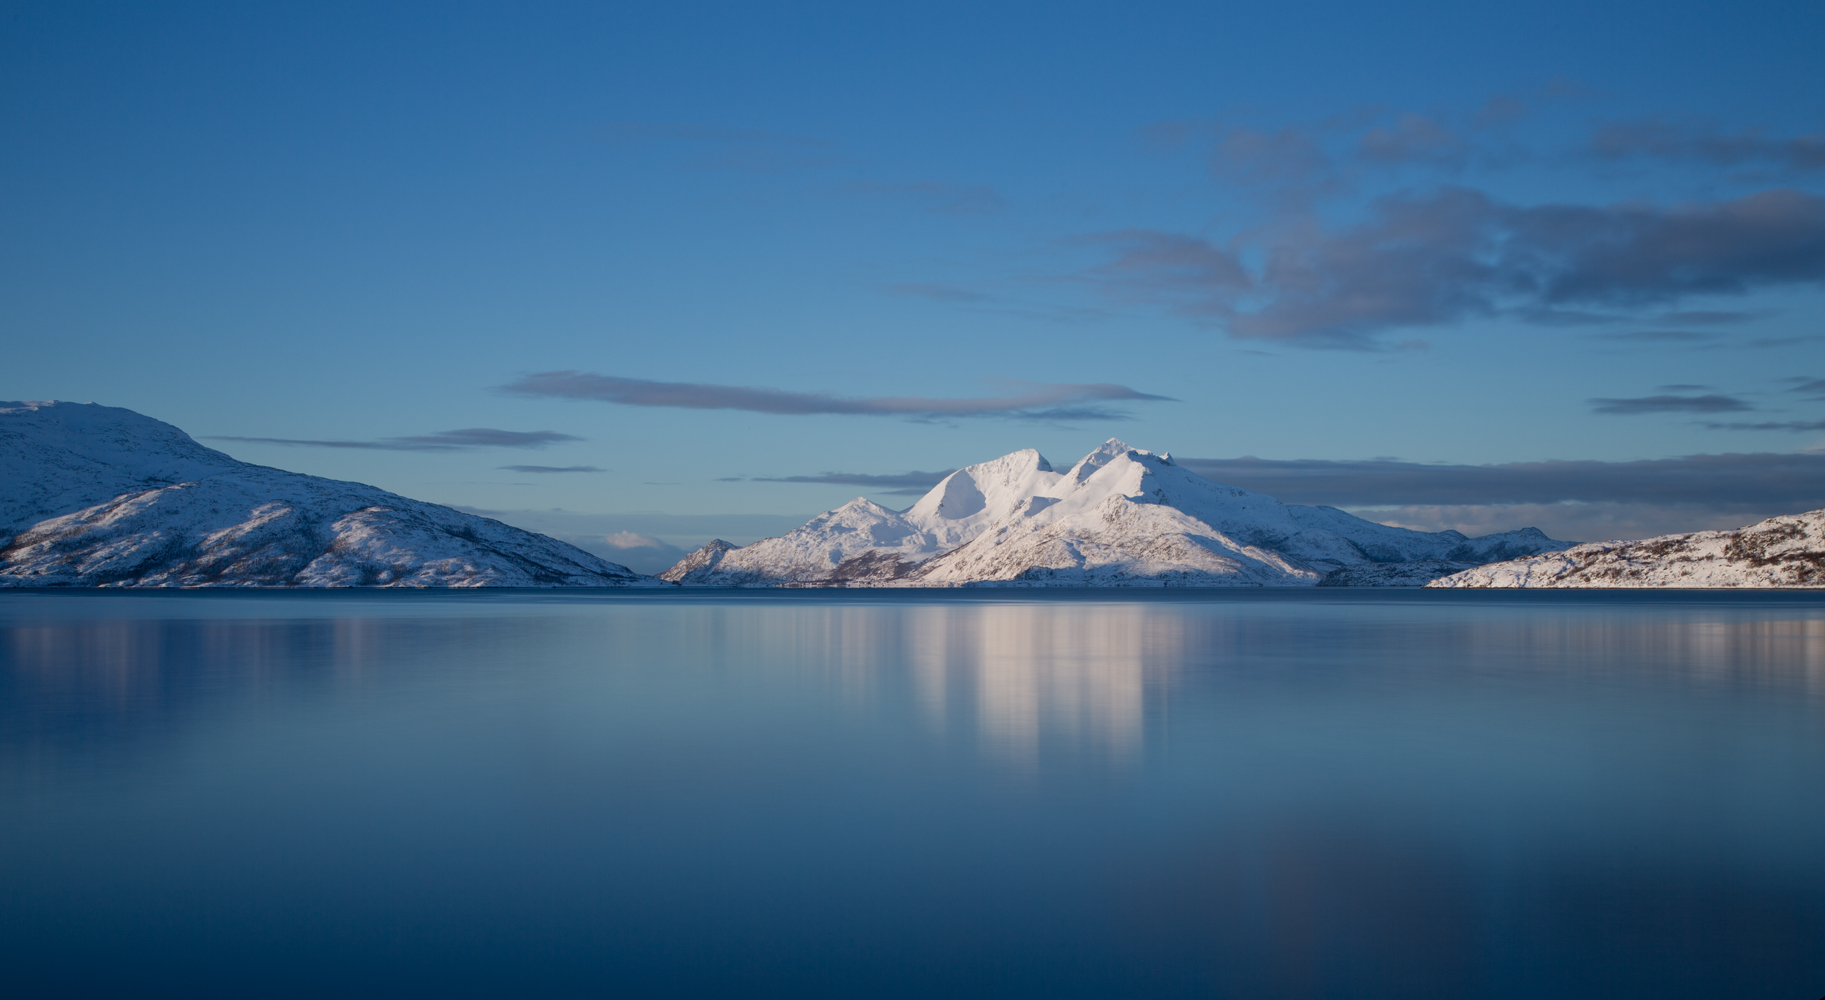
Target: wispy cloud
<point x="1200" y="279"/>
<point x="539" y="469"/>
<point x="1413" y="138"/>
<point x="1693" y="340"/>
<point x="900" y="484"/>
<point x="1578" y="522"/>
<point x="1454" y="254"/>
<point x="1033" y="401"/>
<point x="1770" y="425"/>
<point x="1767" y="342"/>
<point x="1810" y="388"/>
<point x="1299" y="165"/>
<point x="460" y="440"/>
<point x="1707" y="403"/>
<point x="1691" y="142"/>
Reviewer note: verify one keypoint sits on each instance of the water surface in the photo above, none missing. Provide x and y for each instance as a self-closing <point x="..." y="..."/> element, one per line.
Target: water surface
<point x="1266" y="794"/>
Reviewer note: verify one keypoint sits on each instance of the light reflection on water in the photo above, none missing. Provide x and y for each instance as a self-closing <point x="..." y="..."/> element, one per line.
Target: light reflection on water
<point x="1077" y="675"/>
<point x="1160" y="795"/>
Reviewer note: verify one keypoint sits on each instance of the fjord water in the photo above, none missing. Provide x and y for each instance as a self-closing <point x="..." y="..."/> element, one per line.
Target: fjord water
<point x="1260" y="794"/>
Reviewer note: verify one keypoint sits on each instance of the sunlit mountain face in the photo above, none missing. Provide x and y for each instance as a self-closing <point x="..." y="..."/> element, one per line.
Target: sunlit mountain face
<point x="1121" y="516"/>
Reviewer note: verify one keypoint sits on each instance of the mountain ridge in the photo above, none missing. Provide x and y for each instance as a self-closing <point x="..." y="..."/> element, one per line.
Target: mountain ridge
<point x="1786" y="552"/>
<point x="99" y="496"/>
<point x="1119" y="516"/>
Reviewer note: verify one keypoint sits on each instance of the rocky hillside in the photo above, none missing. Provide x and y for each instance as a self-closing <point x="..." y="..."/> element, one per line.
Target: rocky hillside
<point x="98" y="496"/>
<point x="1784" y="551"/>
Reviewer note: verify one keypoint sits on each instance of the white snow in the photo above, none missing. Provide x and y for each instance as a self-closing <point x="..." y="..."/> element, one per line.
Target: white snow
<point x="1787" y="551"/>
<point x="103" y="496"/>
<point x="1120" y="516"/>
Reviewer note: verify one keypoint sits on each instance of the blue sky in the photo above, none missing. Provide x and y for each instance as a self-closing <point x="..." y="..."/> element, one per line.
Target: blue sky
<point x="1436" y="233"/>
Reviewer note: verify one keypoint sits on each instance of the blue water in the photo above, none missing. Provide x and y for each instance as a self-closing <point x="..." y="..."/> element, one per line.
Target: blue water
<point x="812" y="794"/>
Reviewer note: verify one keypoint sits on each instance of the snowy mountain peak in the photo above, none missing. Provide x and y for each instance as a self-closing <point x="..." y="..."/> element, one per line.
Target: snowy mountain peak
<point x="1103" y="455"/>
<point x="864" y="507"/>
<point x="700" y="562"/>
<point x="1121" y="515"/>
<point x="956" y="509"/>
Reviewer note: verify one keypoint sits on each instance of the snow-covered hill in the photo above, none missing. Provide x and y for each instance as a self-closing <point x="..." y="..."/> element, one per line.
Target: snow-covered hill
<point x="1120" y="516"/>
<point x="1786" y="551"/>
<point x="102" y="496"/>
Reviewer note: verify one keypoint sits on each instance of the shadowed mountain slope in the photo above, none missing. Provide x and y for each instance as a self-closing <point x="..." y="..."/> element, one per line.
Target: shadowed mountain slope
<point x="99" y="496"/>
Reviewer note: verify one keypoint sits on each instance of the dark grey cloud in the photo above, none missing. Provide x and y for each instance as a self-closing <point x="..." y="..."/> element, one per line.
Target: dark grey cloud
<point x="1412" y="138"/>
<point x="1034" y="401"/>
<point x="539" y="469"/>
<point x="1770" y="425"/>
<point x="1301" y="164"/>
<point x="901" y="484"/>
<point x="488" y="437"/>
<point x="1704" y="144"/>
<point x="1764" y="342"/>
<point x="1148" y="264"/>
<point x="1429" y="259"/>
<point x="1500" y="111"/>
<point x="1761" y="480"/>
<point x="1707" y="403"/>
<point x="459" y="440"/>
<point x="1810" y="388"/>
<point x="1293" y="160"/>
<point x="1806" y="387"/>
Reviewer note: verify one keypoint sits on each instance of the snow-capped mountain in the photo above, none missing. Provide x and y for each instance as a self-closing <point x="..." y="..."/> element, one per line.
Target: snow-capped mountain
<point x="102" y="496"/>
<point x="1787" y="551"/>
<point x="1120" y="516"/>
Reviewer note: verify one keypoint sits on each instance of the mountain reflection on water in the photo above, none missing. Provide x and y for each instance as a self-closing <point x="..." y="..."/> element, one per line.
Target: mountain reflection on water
<point x="1249" y="795"/>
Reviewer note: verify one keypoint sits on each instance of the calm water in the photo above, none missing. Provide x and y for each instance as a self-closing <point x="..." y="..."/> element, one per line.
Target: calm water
<point x="1301" y="794"/>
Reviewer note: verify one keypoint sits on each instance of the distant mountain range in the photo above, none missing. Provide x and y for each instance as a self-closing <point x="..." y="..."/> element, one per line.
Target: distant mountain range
<point x="1120" y="517"/>
<point x="1784" y="551"/>
<point x="98" y="496"/>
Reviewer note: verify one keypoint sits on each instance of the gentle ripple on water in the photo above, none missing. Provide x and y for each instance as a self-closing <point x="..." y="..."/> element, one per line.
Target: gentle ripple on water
<point x="833" y="794"/>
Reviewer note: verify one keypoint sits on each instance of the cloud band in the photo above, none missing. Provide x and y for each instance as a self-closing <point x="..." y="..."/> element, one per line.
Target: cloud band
<point x="1742" y="480"/>
<point x="461" y="440"/>
<point x="1038" y="401"/>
